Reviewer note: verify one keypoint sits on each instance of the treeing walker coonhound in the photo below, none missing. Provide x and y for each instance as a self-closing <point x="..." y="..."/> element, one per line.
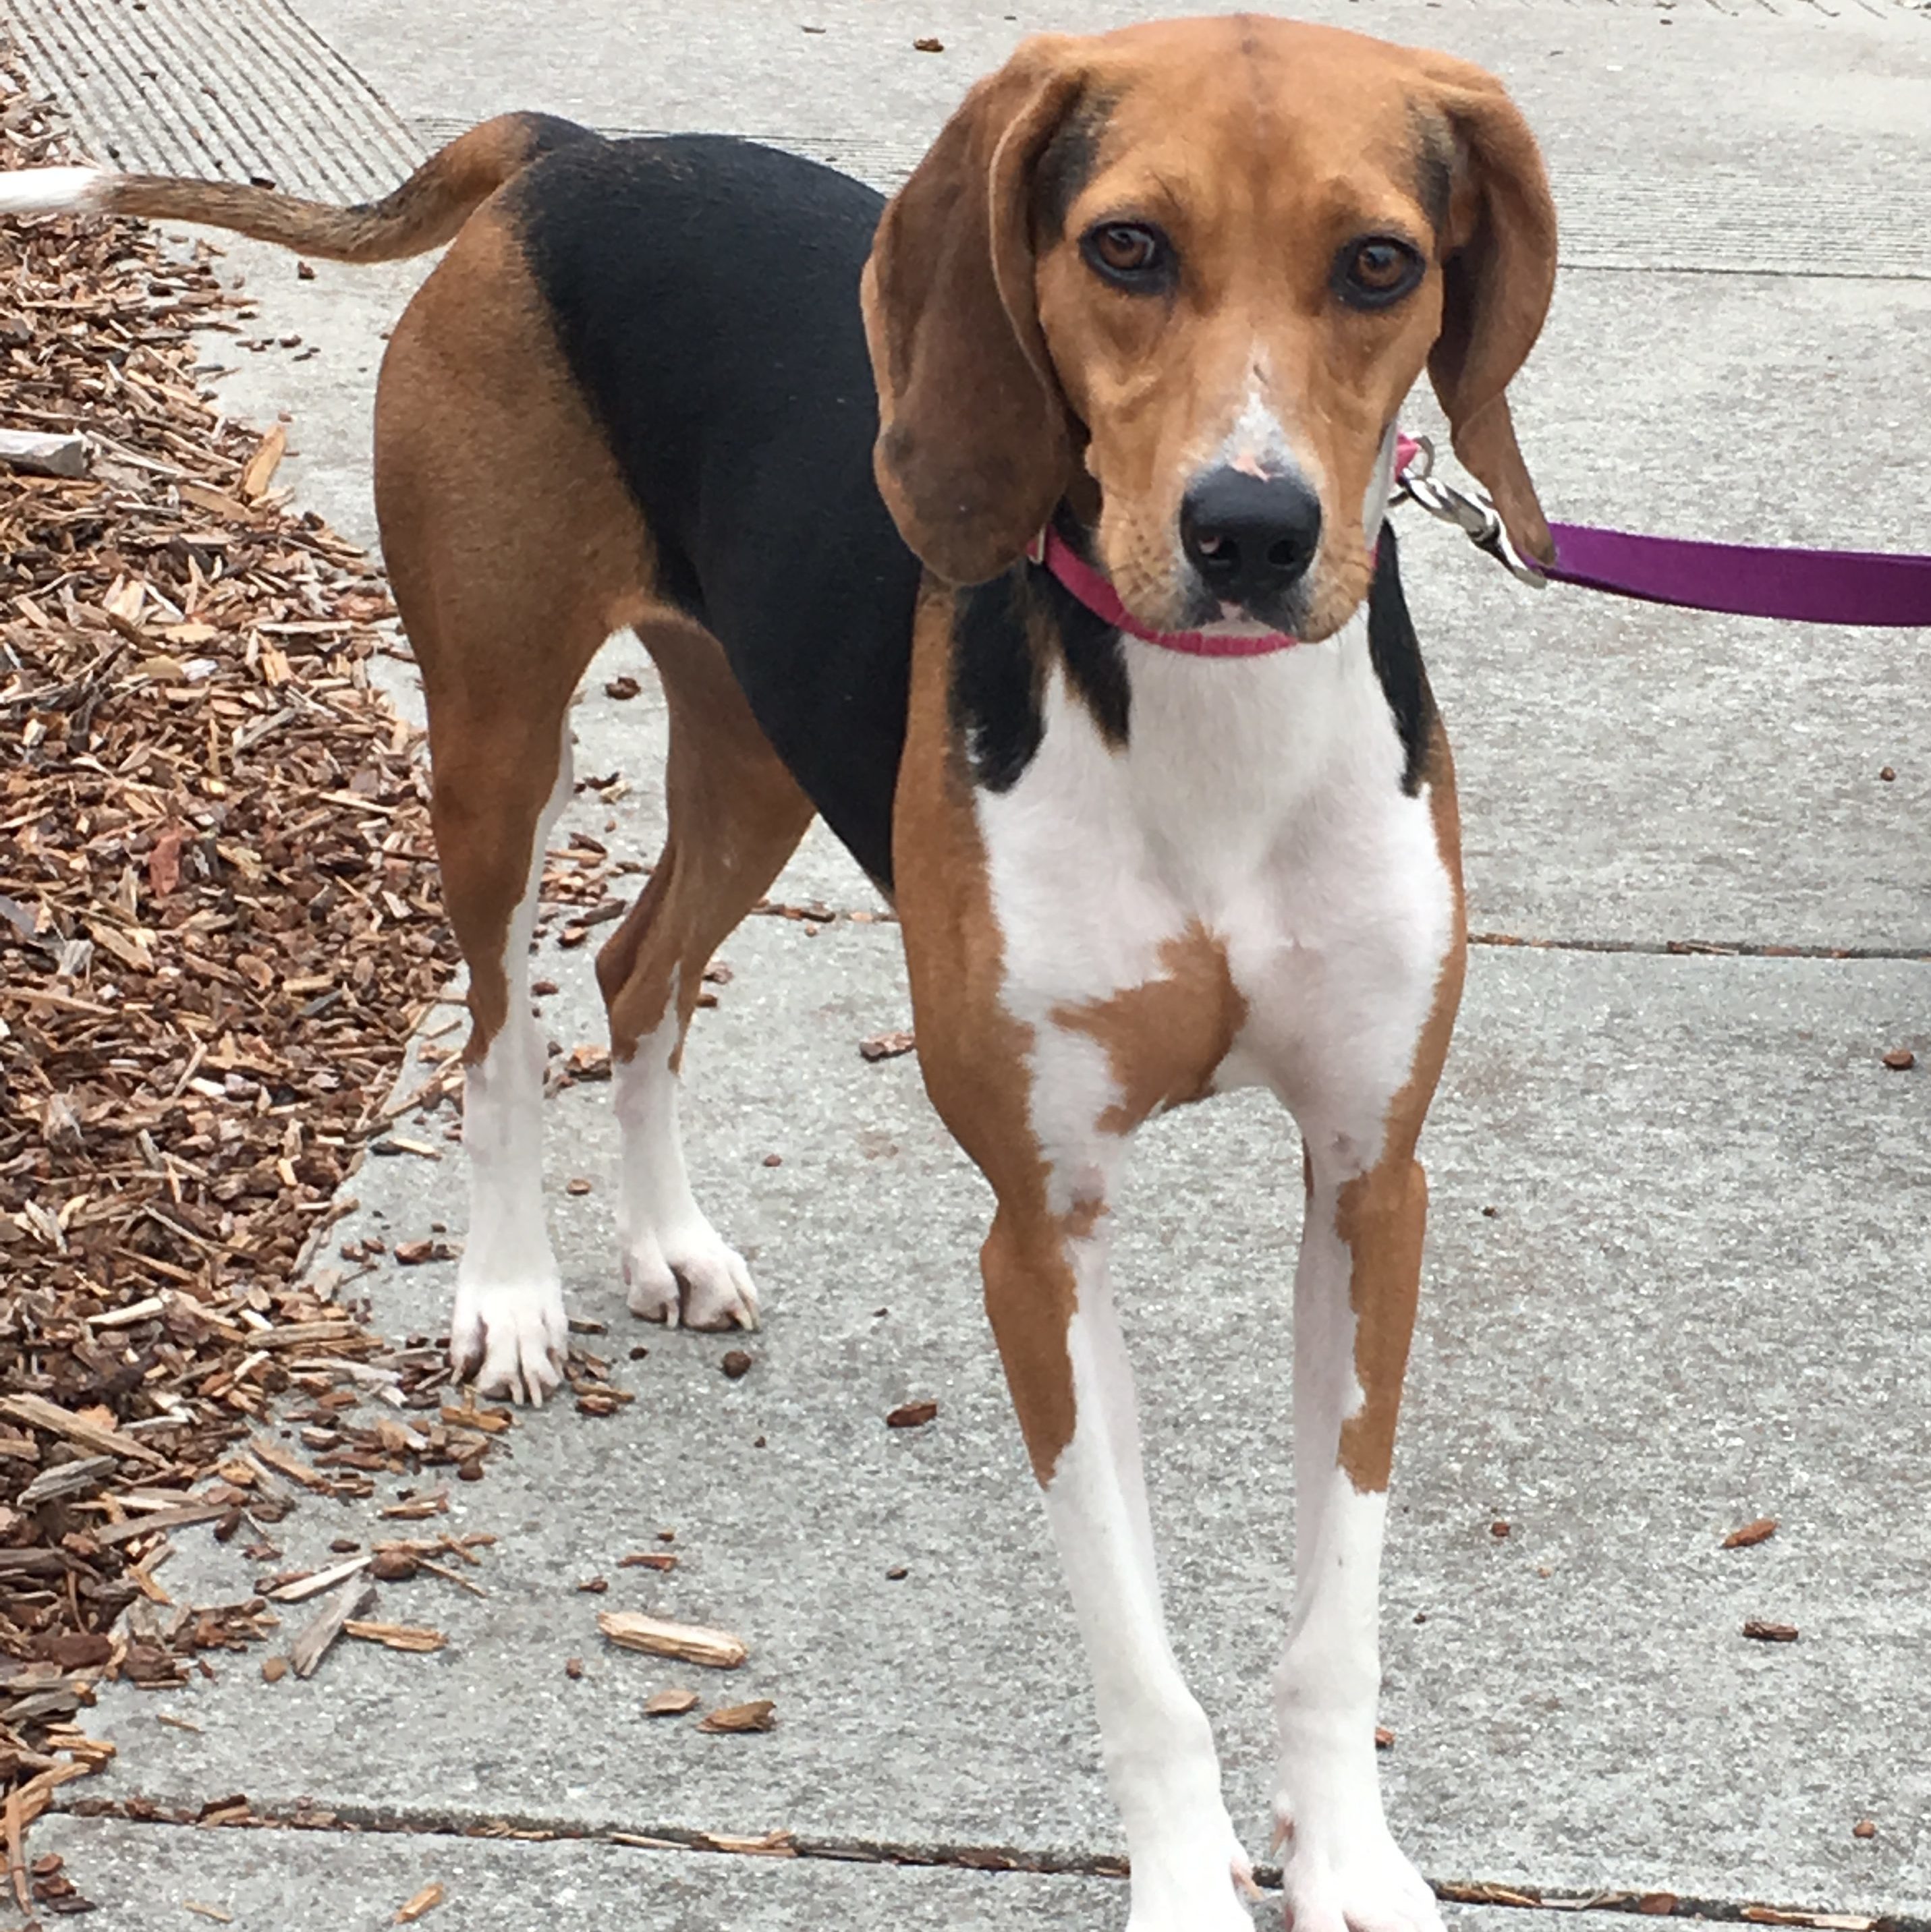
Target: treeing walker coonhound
<point x="1070" y="608"/>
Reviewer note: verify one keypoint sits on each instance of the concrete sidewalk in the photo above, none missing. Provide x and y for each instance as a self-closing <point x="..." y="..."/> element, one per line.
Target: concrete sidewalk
<point x="1678" y="1271"/>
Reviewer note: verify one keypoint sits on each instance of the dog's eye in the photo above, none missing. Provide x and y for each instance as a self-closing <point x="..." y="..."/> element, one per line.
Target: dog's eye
<point x="1376" y="271"/>
<point x="1128" y="252"/>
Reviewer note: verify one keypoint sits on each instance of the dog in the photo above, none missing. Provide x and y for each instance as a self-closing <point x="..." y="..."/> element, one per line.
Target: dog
<point x="1027" y="527"/>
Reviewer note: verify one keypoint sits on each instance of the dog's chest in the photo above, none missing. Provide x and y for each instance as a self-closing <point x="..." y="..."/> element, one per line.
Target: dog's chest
<point x="1249" y="848"/>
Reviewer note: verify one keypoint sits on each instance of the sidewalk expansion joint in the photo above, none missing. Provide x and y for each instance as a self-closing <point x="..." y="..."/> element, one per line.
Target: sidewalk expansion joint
<point x="237" y="1813"/>
<point x="1707" y="948"/>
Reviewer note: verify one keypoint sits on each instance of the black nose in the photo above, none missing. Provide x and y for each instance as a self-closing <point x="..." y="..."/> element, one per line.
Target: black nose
<point x="1250" y="538"/>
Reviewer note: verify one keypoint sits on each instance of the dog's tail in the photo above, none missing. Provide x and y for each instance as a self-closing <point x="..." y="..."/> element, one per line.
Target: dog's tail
<point x="425" y="212"/>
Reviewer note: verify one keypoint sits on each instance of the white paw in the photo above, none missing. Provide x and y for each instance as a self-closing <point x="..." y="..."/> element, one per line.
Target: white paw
<point x="1180" y="1892"/>
<point x="1360" y="1883"/>
<point x="693" y="1280"/>
<point x="510" y="1337"/>
<point x="1220" y="1910"/>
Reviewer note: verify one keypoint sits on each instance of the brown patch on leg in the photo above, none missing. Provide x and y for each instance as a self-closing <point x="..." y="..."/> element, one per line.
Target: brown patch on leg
<point x="975" y="1056"/>
<point x="736" y="815"/>
<point x="1382" y="1215"/>
<point x="514" y="551"/>
<point x="1164" y="1038"/>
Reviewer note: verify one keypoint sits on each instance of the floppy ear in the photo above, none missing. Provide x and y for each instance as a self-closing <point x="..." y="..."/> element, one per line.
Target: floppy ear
<point x="973" y="448"/>
<point x="1497" y="277"/>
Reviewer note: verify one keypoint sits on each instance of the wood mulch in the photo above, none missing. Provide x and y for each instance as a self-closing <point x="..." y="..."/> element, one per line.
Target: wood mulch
<point x="219" y="926"/>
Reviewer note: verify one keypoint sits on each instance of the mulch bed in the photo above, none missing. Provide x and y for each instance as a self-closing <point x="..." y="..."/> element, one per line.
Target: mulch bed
<point x="219" y="924"/>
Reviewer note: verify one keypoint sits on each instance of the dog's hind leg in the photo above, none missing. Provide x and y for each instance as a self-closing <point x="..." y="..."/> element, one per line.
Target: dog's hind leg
<point x="735" y="816"/>
<point x="508" y="1326"/>
<point x="514" y="551"/>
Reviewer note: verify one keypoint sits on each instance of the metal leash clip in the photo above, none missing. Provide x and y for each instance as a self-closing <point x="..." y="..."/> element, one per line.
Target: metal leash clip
<point x="1474" y="515"/>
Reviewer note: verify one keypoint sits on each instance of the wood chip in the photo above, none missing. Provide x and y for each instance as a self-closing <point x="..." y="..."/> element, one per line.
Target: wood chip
<point x="1752" y="1534"/>
<point x="669" y="1703"/>
<point x="755" y="1716"/>
<point x="15" y="1826"/>
<point x="886" y="1046"/>
<point x="292" y="1466"/>
<point x="44" y="455"/>
<point x="299" y="1590"/>
<point x="1767" y="1632"/>
<point x="449" y="1576"/>
<point x="161" y="1519"/>
<point x="397" y="1636"/>
<point x="415" y="1509"/>
<point x="220" y="923"/>
<point x="310" y="1648"/>
<point x="203" y="1911"/>
<point x="770" y="1845"/>
<point x="259" y="471"/>
<point x="912" y="1415"/>
<point x="78" y="1478"/>
<point x="427" y="1899"/>
<point x="103" y="1440"/>
<point x="1823" y="1922"/>
<point x="631" y="1630"/>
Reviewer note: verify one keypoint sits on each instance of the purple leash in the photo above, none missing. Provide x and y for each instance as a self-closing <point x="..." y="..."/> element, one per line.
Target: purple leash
<point x="1815" y="586"/>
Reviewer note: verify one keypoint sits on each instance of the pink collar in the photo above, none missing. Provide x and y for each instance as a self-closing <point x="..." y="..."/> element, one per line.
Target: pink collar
<point x="1093" y="589"/>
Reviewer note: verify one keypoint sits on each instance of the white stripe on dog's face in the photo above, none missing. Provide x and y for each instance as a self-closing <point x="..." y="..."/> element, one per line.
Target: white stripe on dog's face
<point x="51" y="190"/>
<point x="1257" y="444"/>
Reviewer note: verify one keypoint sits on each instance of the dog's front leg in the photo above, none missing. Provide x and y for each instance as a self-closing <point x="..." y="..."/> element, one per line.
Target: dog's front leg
<point x="1355" y="1295"/>
<point x="1051" y="1311"/>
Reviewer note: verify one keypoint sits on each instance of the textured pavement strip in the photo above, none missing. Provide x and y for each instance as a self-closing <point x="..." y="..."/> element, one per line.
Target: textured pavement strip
<point x="235" y="89"/>
<point x="1696" y="1164"/>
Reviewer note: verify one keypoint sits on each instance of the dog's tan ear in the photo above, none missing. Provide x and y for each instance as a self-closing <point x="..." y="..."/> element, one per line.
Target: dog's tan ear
<point x="973" y="448"/>
<point x="1498" y="274"/>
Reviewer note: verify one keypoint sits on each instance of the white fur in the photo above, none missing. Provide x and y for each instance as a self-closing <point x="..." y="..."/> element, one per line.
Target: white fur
<point x="1158" y="1748"/>
<point x="51" y="190"/>
<point x="510" y="1296"/>
<point x="1257" y="444"/>
<point x="1342" y="1869"/>
<point x="1262" y="799"/>
<point x="674" y="1264"/>
<point x="1380" y="487"/>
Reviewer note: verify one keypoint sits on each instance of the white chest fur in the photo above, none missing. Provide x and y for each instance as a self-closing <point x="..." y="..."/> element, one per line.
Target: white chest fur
<point x="1259" y="801"/>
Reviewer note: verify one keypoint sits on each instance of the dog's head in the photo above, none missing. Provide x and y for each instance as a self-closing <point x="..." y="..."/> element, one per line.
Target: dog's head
<point x="1185" y="274"/>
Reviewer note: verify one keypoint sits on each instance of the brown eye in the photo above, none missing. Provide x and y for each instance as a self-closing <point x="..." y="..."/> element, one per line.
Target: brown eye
<point x="1129" y="253"/>
<point x="1376" y="272"/>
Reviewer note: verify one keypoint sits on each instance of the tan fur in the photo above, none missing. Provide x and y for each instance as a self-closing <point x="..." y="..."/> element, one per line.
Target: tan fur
<point x="1382" y="1215"/>
<point x="736" y="815"/>
<point x="425" y="212"/>
<point x="516" y="549"/>
<point x="975" y="1056"/>
<point x="973" y="448"/>
<point x="1164" y="1038"/>
<point x="1260" y="146"/>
